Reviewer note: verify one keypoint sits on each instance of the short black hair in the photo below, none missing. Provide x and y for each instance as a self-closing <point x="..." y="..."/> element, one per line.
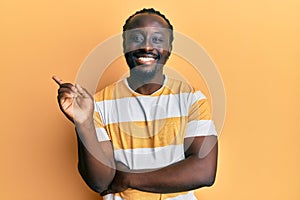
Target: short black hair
<point x="149" y="11"/>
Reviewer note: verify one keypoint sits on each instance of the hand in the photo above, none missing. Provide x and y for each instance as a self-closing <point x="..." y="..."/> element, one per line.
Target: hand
<point x="120" y="181"/>
<point x="74" y="101"/>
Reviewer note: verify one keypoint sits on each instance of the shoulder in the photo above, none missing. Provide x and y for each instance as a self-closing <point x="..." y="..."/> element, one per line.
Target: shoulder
<point x="108" y="92"/>
<point x="180" y="86"/>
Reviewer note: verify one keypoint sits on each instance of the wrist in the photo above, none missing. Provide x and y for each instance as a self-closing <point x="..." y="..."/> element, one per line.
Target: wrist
<point x="131" y="179"/>
<point x="83" y="117"/>
<point x="84" y="125"/>
<point x="88" y="121"/>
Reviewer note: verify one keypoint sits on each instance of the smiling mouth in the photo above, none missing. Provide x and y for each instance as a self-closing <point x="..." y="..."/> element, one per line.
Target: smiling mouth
<point x="146" y="59"/>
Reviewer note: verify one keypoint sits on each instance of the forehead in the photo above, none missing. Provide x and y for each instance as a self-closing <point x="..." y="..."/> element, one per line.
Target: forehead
<point x="145" y="20"/>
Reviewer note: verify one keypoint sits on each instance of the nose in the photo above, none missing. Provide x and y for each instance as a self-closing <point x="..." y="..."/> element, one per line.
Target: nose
<point x="147" y="44"/>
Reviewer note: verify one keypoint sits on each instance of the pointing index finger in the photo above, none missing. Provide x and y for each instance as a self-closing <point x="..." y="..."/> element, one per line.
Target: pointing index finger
<point x="57" y="80"/>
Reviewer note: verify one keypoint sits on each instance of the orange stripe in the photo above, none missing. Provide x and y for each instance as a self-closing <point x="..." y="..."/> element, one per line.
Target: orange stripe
<point x="137" y="194"/>
<point x="172" y="195"/>
<point x="204" y="109"/>
<point x="120" y="90"/>
<point x="161" y="133"/>
<point x="199" y="111"/>
<point x="97" y="121"/>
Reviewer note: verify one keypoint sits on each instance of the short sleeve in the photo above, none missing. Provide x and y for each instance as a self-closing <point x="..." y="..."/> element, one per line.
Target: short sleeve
<point x="199" y="117"/>
<point x="99" y="125"/>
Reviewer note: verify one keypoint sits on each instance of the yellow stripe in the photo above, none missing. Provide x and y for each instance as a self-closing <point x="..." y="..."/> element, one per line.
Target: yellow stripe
<point x="120" y="90"/>
<point x="128" y="135"/>
<point x="114" y="91"/>
<point x="137" y="194"/>
<point x="172" y="195"/>
<point x="141" y="195"/>
<point x="204" y="109"/>
<point x="97" y="121"/>
<point x="178" y="87"/>
<point x="199" y="111"/>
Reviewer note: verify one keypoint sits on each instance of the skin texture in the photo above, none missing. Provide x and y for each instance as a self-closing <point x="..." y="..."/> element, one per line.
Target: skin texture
<point x="145" y="38"/>
<point x="148" y="36"/>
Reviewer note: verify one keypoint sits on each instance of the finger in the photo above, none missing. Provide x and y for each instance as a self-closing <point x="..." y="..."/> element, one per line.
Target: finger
<point x="57" y="80"/>
<point x="62" y="97"/>
<point x="83" y="92"/>
<point x="66" y="92"/>
<point x="68" y="86"/>
<point x="62" y="85"/>
<point x="64" y="104"/>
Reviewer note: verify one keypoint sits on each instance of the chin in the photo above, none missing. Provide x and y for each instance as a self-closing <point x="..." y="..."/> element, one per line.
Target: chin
<point x="144" y="65"/>
<point x="143" y="74"/>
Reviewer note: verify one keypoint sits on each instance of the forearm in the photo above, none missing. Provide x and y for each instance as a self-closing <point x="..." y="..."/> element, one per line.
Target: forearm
<point x="185" y="175"/>
<point x="96" y="162"/>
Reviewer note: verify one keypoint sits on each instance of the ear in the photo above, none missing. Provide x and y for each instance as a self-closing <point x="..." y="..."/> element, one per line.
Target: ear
<point x="124" y="42"/>
<point x="170" y="48"/>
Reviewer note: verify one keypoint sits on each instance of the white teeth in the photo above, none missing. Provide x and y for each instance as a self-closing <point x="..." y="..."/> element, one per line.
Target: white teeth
<point x="146" y="59"/>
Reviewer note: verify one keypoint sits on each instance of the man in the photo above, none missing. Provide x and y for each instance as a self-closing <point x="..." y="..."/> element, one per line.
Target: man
<point x="147" y="136"/>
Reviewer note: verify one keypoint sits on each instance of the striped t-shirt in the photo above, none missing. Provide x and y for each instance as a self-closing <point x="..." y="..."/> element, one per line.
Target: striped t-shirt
<point x="148" y="131"/>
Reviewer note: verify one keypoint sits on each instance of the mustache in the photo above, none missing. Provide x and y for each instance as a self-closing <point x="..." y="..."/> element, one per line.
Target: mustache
<point x="154" y="53"/>
<point x="144" y="52"/>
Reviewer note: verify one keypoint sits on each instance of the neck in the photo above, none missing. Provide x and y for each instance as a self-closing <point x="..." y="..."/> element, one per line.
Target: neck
<point x="146" y="87"/>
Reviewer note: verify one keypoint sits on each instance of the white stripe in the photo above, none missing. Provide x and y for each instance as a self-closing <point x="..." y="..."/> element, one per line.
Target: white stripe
<point x="145" y="108"/>
<point x="150" y="158"/>
<point x="189" y="196"/>
<point x="200" y="128"/>
<point x="102" y="134"/>
<point x="112" y="197"/>
<point x="198" y="95"/>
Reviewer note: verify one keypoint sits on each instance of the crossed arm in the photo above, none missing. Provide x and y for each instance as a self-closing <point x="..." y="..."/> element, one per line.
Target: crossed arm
<point x="95" y="160"/>
<point x="198" y="169"/>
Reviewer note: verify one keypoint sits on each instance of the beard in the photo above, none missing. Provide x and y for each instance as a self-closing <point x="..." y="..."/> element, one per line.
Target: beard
<point x="144" y="75"/>
<point x="145" y="72"/>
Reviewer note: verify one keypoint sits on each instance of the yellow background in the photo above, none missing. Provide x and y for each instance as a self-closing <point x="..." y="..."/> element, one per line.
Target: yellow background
<point x="255" y="45"/>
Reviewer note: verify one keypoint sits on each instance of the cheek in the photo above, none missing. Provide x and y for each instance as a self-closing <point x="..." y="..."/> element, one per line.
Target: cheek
<point x="132" y="47"/>
<point x="162" y="47"/>
<point x="128" y="47"/>
<point x="164" y="52"/>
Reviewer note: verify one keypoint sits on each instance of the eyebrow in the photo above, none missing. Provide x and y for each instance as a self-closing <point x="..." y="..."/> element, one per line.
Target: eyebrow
<point x="134" y="31"/>
<point x="140" y="31"/>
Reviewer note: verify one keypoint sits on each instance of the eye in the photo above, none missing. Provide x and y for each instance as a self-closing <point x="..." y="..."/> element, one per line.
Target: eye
<point x="137" y="38"/>
<point x="157" y="40"/>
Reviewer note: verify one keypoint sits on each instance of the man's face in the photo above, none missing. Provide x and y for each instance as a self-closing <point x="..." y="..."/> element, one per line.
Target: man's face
<point x="147" y="45"/>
